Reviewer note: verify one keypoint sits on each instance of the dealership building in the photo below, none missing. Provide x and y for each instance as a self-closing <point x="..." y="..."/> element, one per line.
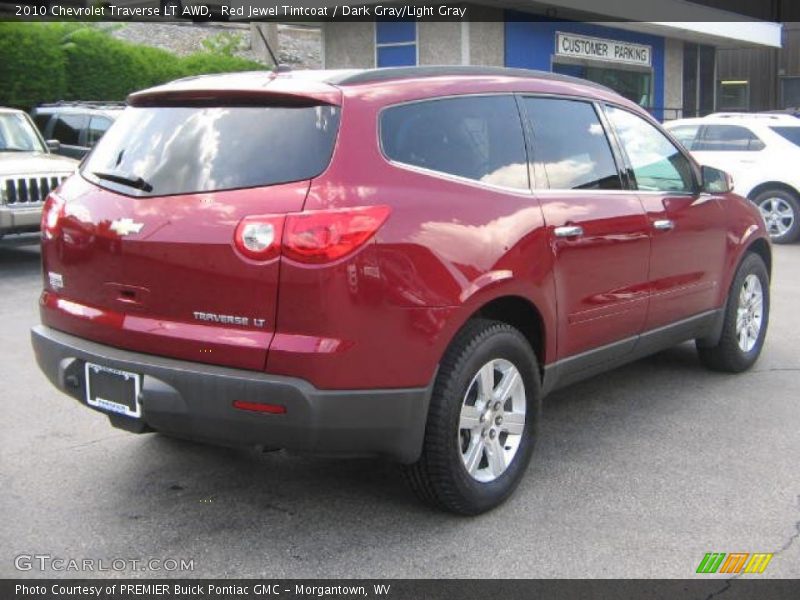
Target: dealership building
<point x="670" y="68"/>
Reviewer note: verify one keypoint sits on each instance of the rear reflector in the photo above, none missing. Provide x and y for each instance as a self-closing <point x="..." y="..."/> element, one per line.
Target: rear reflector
<point x="273" y="409"/>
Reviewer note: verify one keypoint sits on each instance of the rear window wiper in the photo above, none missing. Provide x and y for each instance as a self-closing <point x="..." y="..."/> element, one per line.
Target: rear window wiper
<point x="129" y="180"/>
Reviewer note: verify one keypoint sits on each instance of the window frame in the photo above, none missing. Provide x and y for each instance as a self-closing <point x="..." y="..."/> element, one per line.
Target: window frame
<point x="695" y="170"/>
<point x="537" y="176"/>
<point x="449" y="176"/>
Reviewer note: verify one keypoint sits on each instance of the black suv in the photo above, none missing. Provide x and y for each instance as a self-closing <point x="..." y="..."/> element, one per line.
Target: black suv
<point x="76" y="125"/>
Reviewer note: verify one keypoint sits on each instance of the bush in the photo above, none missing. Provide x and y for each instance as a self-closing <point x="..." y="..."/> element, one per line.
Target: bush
<point x="44" y="62"/>
<point x="32" y="65"/>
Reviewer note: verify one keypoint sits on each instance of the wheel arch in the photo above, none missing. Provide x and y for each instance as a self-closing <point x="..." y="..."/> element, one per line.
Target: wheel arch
<point x="762" y="248"/>
<point x="771" y="185"/>
<point x="522" y="314"/>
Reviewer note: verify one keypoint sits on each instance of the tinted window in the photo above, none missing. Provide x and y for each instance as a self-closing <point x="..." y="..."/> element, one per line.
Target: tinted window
<point x="179" y="150"/>
<point x="656" y="162"/>
<point x="477" y="138"/>
<point x="790" y="133"/>
<point x="67" y="128"/>
<point x="570" y="144"/>
<point x="97" y="127"/>
<point x="685" y="134"/>
<point x="728" y="138"/>
<point x="41" y="122"/>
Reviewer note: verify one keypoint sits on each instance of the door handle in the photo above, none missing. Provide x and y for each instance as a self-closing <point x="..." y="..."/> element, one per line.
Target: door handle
<point x="664" y="224"/>
<point x="568" y="231"/>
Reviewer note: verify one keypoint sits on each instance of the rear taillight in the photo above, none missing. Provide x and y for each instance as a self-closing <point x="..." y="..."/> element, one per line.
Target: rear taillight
<point x="52" y="213"/>
<point x="259" y="238"/>
<point x="316" y="236"/>
<point x="320" y="236"/>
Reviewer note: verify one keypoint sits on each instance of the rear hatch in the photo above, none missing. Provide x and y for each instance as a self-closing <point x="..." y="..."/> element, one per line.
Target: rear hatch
<point x="139" y="248"/>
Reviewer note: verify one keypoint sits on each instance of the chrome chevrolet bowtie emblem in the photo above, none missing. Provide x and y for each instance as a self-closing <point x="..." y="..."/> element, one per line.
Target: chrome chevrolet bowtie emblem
<point x="126" y="226"/>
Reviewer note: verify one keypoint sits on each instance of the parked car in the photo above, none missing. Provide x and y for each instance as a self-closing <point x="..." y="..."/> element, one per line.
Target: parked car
<point x="761" y="151"/>
<point x="77" y="126"/>
<point x="28" y="172"/>
<point x="393" y="262"/>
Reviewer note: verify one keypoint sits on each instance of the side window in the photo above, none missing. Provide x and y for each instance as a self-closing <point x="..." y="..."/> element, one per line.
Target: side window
<point x="41" y="122"/>
<point x="728" y="138"/>
<point x="570" y="145"/>
<point x="475" y="137"/>
<point x="67" y="129"/>
<point x="657" y="164"/>
<point x="686" y="135"/>
<point x="97" y="127"/>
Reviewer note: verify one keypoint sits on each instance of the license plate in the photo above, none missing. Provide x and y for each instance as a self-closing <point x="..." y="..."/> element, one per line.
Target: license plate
<point x="113" y="390"/>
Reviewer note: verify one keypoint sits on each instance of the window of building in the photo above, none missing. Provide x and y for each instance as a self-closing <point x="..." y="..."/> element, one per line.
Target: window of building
<point x="699" y="68"/>
<point x="478" y="138"/>
<point x="790" y="92"/>
<point x="67" y="129"/>
<point x="733" y="95"/>
<point x="395" y="43"/>
<point x="728" y="138"/>
<point x="635" y="85"/>
<point x="656" y="162"/>
<point x="570" y="145"/>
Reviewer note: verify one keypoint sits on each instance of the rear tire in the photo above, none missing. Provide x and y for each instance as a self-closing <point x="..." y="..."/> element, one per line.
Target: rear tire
<point x="781" y="211"/>
<point x="482" y="421"/>
<point x="745" y="322"/>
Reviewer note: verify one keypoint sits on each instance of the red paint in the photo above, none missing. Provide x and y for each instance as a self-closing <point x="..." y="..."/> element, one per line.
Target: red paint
<point x="381" y="314"/>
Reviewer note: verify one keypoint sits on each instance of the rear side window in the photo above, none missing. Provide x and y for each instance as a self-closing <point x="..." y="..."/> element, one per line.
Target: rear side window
<point x="570" y="145"/>
<point x="182" y="150"/>
<point x="475" y="137"/>
<point x="728" y="138"/>
<point x="790" y="133"/>
<point x="97" y="127"/>
<point x="67" y="128"/>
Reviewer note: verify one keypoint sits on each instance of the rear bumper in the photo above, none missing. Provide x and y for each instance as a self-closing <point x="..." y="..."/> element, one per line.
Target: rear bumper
<point x="19" y="218"/>
<point x="196" y="401"/>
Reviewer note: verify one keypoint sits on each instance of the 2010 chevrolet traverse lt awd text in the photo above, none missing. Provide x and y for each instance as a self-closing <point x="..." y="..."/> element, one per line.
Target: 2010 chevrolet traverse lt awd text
<point x="396" y="262"/>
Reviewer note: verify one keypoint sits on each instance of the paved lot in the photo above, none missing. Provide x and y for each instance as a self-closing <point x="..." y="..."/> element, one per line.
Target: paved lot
<point x="639" y="472"/>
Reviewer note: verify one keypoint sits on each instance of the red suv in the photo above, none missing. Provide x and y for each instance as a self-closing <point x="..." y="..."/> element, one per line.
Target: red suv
<point x="396" y="262"/>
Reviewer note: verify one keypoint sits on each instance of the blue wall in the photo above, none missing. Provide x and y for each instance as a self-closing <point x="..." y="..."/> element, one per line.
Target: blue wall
<point x="532" y="45"/>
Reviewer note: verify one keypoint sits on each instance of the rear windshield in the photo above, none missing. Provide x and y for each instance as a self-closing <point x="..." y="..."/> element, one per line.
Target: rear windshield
<point x="157" y="151"/>
<point x="790" y="133"/>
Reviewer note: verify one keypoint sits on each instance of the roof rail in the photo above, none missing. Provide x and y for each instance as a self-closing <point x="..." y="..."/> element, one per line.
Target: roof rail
<point x="91" y="103"/>
<point x="750" y="115"/>
<point x="387" y="73"/>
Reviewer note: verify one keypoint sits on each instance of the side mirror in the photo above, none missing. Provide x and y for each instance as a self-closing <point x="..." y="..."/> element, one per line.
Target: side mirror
<point x="715" y="181"/>
<point x="53" y="145"/>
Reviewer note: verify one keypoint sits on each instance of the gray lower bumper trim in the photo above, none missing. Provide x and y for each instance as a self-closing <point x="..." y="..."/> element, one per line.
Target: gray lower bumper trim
<point x="196" y="401"/>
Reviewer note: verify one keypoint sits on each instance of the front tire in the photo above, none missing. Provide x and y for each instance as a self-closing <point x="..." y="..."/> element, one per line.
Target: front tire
<point x="781" y="212"/>
<point x="482" y="421"/>
<point x="745" y="322"/>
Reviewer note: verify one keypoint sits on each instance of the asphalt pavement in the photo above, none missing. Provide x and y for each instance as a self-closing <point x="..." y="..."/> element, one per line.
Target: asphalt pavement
<point x="638" y="473"/>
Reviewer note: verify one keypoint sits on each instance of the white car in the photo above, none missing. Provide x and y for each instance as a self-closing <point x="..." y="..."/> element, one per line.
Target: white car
<point x="761" y="152"/>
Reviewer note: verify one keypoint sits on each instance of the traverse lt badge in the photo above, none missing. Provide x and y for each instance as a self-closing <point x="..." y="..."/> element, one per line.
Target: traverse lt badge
<point x="126" y="226"/>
